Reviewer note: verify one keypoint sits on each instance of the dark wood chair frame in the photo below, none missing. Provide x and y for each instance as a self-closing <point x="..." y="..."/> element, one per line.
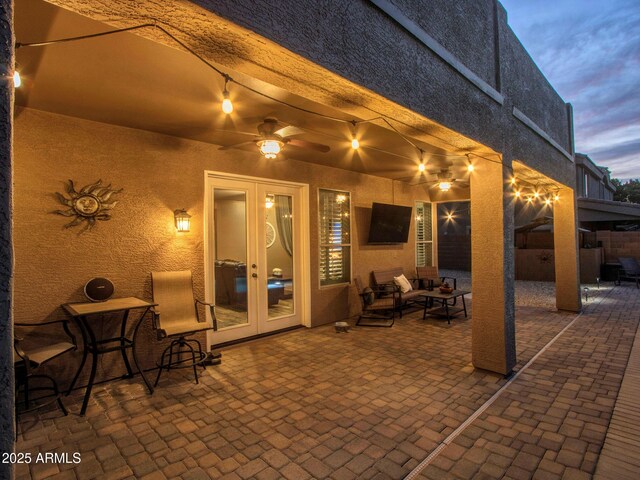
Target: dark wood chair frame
<point x="381" y="292"/>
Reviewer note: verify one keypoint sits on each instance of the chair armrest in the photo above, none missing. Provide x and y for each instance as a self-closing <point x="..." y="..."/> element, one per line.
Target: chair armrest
<point x="212" y="311"/>
<point x="65" y="326"/>
<point x="20" y="352"/>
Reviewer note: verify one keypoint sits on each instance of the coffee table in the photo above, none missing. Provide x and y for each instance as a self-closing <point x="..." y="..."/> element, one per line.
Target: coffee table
<point x="445" y="309"/>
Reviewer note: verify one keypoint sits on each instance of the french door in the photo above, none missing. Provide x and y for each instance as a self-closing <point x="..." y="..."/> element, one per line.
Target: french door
<point x="256" y="255"/>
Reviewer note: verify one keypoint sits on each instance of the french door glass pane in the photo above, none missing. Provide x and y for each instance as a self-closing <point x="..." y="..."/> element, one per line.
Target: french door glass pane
<point x="230" y="229"/>
<point x="280" y="282"/>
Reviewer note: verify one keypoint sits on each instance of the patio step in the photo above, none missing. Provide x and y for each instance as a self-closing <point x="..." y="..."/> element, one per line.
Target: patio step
<point x="620" y="456"/>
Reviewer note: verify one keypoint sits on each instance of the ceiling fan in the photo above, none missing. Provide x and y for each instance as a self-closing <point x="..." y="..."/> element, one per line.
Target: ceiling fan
<point x="273" y="136"/>
<point x="444" y="179"/>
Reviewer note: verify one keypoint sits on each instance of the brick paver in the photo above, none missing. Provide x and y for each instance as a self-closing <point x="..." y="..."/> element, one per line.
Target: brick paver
<point x="372" y="403"/>
<point x="551" y="422"/>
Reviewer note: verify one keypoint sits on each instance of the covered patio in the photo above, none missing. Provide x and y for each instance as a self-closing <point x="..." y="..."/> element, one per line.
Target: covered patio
<point x="373" y="403"/>
<point x="140" y="110"/>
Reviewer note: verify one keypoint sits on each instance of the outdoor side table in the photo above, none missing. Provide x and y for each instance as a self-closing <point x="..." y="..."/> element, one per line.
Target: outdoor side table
<point x="445" y="309"/>
<point x="81" y="313"/>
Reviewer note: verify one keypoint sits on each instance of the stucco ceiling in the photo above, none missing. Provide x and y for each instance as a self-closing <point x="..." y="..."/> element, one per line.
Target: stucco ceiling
<point x="131" y="81"/>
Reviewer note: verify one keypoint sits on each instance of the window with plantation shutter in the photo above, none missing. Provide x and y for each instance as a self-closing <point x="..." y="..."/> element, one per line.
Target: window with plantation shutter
<point x="424" y="235"/>
<point x="334" y="211"/>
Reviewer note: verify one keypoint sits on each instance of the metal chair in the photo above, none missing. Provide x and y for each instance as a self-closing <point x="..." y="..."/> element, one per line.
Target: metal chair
<point x="176" y="317"/>
<point x="630" y="270"/>
<point x="431" y="279"/>
<point x="27" y="360"/>
<point x="379" y="304"/>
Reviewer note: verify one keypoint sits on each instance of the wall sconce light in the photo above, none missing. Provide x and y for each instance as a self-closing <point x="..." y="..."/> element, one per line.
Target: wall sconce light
<point x="182" y="218"/>
<point x="270" y="200"/>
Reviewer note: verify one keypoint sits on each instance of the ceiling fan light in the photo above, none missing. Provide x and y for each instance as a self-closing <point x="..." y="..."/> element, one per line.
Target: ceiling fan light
<point x="270" y="148"/>
<point x="444" y="185"/>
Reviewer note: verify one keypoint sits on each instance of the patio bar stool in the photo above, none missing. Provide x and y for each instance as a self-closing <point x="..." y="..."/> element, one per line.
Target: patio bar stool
<point x="176" y="318"/>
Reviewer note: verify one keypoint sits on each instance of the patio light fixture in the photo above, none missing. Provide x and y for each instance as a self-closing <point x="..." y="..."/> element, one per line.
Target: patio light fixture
<point x="17" y="81"/>
<point x="355" y="144"/>
<point x="270" y="201"/>
<point x="182" y="219"/>
<point x="227" y="106"/>
<point x="270" y="148"/>
<point x="444" y="185"/>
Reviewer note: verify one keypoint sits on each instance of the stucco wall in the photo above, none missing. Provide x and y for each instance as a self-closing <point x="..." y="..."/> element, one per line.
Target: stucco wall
<point x="158" y="174"/>
<point x="464" y="27"/>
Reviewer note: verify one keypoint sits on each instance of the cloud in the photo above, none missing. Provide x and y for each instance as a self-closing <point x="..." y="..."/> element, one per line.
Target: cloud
<point x="590" y="52"/>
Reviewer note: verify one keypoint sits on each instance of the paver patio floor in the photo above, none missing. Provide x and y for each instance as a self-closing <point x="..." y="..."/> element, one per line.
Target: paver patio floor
<point x="372" y="403"/>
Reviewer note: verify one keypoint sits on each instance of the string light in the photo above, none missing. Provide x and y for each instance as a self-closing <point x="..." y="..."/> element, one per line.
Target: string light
<point x="513" y="180"/>
<point x="227" y="106"/>
<point x="518" y="194"/>
<point x="17" y="81"/>
<point x="556" y="197"/>
<point x="271" y="148"/>
<point x="470" y="168"/>
<point x="547" y="202"/>
<point x="421" y="167"/>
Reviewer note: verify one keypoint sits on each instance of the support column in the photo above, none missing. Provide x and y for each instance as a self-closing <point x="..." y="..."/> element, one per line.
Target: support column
<point x="492" y="268"/>
<point x="7" y="380"/>
<point x="566" y="253"/>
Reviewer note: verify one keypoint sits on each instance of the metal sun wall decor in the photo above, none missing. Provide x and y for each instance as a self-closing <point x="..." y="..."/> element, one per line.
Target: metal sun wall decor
<point x="87" y="205"/>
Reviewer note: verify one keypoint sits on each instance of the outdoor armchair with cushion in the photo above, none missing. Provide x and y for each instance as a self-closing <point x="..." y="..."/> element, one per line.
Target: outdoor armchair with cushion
<point x="431" y="278"/>
<point x="385" y="279"/>
<point x="378" y="304"/>
<point x="28" y="359"/>
<point x="630" y="270"/>
<point x="176" y="317"/>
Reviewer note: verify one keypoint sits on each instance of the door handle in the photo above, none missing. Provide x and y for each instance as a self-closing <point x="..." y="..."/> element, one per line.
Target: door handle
<point x="254" y="275"/>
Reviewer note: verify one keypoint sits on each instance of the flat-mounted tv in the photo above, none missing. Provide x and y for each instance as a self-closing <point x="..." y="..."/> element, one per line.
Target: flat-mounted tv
<point x="389" y="223"/>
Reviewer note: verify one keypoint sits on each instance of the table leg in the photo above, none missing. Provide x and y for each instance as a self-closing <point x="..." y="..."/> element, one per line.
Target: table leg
<point x="94" y="366"/>
<point x="135" y="355"/>
<point x="426" y="304"/>
<point x="446" y="309"/>
<point x="85" y="352"/>
<point x="464" y="305"/>
<point x="123" y="349"/>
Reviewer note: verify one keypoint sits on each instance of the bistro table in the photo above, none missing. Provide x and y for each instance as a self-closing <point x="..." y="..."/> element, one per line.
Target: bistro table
<point x="81" y="313"/>
<point x="445" y="309"/>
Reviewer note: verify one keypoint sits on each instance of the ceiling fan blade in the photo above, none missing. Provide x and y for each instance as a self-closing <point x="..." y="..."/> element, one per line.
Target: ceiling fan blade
<point x="310" y="145"/>
<point x="235" y="145"/>
<point x="289" y="131"/>
<point x="220" y="130"/>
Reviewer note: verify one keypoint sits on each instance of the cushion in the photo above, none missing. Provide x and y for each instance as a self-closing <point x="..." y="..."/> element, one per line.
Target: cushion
<point x="368" y="296"/>
<point x="403" y="283"/>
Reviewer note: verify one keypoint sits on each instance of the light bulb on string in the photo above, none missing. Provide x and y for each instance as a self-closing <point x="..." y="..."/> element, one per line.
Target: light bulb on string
<point x="227" y="106"/>
<point x="518" y="194"/>
<point x="17" y="81"/>
<point x="355" y="143"/>
<point x="556" y="197"/>
<point x="470" y="168"/>
<point x="421" y="167"/>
